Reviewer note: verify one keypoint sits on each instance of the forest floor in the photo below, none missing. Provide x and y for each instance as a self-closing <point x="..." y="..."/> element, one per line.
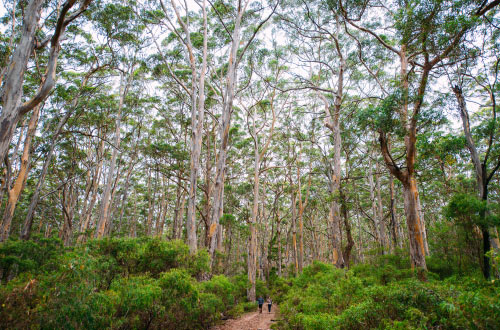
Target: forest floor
<point x="251" y="321"/>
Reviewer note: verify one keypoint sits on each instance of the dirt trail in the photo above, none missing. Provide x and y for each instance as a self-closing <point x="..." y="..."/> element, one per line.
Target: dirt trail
<point x="251" y="321"/>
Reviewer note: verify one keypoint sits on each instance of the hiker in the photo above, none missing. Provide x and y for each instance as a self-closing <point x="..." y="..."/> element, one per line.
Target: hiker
<point x="269" y="303"/>
<point x="261" y="302"/>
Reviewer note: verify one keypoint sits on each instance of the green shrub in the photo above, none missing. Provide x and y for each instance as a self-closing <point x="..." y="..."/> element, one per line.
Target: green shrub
<point x="385" y="296"/>
<point x="220" y="286"/>
<point x="119" y="283"/>
<point x="139" y="301"/>
<point x="35" y="255"/>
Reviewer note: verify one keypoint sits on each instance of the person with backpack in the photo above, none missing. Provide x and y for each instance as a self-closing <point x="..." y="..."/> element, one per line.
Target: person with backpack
<point x="269" y="303"/>
<point x="261" y="302"/>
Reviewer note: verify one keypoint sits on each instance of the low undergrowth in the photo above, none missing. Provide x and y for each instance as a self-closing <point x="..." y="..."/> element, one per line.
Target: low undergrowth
<point x="113" y="284"/>
<point x="385" y="296"/>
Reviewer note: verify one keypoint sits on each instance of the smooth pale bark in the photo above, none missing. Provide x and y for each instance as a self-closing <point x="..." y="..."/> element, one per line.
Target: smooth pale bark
<point x="360" y="232"/>
<point x="315" y="239"/>
<point x="293" y="206"/>
<point x="490" y="234"/>
<point x="180" y="200"/>
<point x="407" y="176"/>
<point x="334" y="216"/>
<point x="197" y="119"/>
<point x="150" y="205"/>
<point x="15" y="191"/>
<point x="86" y="214"/>
<point x="278" y="237"/>
<point x="132" y="223"/>
<point x="345" y="214"/>
<point x="68" y="203"/>
<point x="422" y="227"/>
<point x="112" y="204"/>
<point x="163" y="208"/>
<point x="14" y="78"/>
<point x="197" y="95"/>
<point x="409" y="122"/>
<point x="220" y="231"/>
<point x="208" y="188"/>
<point x="227" y="110"/>
<point x="332" y="122"/>
<point x="381" y="225"/>
<point x="360" y="239"/>
<point x="11" y="43"/>
<point x="104" y="214"/>
<point x="346" y="253"/>
<point x="126" y="188"/>
<point x="375" y="214"/>
<point x="131" y="167"/>
<point x="12" y="109"/>
<point x="228" y="248"/>
<point x="397" y="242"/>
<point x="334" y="230"/>
<point x="258" y="155"/>
<point x="28" y="221"/>
<point x="302" y="207"/>
<point x="252" y="244"/>
<point x="417" y="249"/>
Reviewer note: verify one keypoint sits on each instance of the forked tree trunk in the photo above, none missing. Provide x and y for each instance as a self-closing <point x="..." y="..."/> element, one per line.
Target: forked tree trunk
<point x="332" y="122"/>
<point x="28" y="221"/>
<point x="104" y="216"/>
<point x="227" y="109"/>
<point x="407" y="176"/>
<point x="197" y="119"/>
<point x="15" y="191"/>
<point x="258" y="155"/>
<point x="12" y="109"/>
<point x="413" y="221"/>
<point x="490" y="234"/>
<point x="86" y="214"/>
<point x="14" y="78"/>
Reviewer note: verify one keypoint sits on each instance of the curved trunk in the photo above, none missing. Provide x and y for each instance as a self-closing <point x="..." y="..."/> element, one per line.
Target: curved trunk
<point x="14" y="78"/>
<point x="20" y="182"/>
<point x="413" y="221"/>
<point x="217" y="205"/>
<point x="104" y="216"/>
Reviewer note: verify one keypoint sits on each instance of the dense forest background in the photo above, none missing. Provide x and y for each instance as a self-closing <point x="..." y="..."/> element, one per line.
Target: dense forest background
<point x="244" y="148"/>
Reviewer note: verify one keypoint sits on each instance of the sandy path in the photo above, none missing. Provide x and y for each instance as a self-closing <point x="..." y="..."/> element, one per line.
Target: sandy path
<point x="251" y="321"/>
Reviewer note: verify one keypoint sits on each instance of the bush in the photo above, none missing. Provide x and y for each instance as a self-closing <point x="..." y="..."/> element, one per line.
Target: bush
<point x="36" y="255"/>
<point x="387" y="296"/>
<point x="112" y="283"/>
